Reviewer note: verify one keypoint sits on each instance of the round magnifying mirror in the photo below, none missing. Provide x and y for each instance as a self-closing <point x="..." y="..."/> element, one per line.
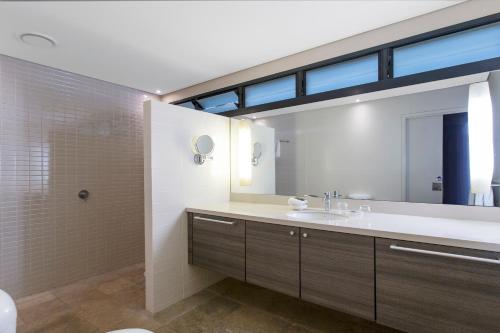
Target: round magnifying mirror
<point x="257" y="150"/>
<point x="205" y="145"/>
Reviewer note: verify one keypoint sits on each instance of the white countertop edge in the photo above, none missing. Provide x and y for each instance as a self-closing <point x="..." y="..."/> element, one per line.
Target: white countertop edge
<point x="486" y="246"/>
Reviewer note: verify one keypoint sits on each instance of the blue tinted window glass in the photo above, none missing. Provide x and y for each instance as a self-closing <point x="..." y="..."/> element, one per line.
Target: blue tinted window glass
<point x="220" y="103"/>
<point x="189" y="105"/>
<point x="270" y="91"/>
<point x="451" y="50"/>
<point x="345" y="74"/>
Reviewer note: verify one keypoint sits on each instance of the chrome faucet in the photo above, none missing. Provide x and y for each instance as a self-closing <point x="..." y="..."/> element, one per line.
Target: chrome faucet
<point x="327" y="199"/>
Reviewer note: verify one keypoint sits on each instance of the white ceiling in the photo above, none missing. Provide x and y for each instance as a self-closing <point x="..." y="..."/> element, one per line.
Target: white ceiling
<point x="169" y="45"/>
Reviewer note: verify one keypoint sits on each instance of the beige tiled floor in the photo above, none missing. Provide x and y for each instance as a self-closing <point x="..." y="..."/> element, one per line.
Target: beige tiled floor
<point x="116" y="300"/>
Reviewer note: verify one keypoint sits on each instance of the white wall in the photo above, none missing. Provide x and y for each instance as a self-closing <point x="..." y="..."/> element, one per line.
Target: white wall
<point x="173" y="182"/>
<point x="424" y="158"/>
<point x="263" y="175"/>
<point x="355" y="148"/>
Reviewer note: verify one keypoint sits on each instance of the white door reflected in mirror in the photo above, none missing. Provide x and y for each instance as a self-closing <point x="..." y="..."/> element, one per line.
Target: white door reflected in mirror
<point x="204" y="146"/>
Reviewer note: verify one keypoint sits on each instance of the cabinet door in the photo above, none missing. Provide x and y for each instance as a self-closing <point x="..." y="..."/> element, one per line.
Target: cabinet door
<point x="273" y="257"/>
<point x="337" y="271"/>
<point x="431" y="288"/>
<point x="218" y="244"/>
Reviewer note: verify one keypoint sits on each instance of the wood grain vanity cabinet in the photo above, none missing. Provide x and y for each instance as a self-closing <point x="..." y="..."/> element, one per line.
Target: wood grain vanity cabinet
<point x="413" y="287"/>
<point x="273" y="257"/>
<point x="218" y="243"/>
<point x="421" y="288"/>
<point x="337" y="271"/>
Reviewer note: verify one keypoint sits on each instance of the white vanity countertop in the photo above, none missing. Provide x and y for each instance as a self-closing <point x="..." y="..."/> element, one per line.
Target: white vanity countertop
<point x="461" y="233"/>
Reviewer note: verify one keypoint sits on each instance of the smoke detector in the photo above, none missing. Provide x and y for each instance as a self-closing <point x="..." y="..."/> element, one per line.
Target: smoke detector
<point x="38" y="40"/>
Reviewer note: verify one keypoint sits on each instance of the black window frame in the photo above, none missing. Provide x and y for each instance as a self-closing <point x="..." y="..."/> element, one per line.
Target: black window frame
<point x="244" y="86"/>
<point x="198" y="106"/>
<point x="304" y="84"/>
<point x="385" y="80"/>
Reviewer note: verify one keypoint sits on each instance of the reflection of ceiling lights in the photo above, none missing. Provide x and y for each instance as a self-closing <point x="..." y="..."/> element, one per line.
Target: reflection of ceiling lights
<point x="38" y="40"/>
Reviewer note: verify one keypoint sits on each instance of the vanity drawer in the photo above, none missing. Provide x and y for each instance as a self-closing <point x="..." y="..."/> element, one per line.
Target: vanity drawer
<point x="273" y="257"/>
<point x="218" y="244"/>
<point x="432" y="288"/>
<point x="338" y="271"/>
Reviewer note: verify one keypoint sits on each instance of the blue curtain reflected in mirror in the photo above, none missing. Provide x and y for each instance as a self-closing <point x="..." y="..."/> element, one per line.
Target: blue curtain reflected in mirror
<point x="456" y="176"/>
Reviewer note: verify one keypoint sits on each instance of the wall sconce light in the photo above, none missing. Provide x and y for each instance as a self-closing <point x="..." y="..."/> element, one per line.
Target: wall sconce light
<point x="245" y="152"/>
<point x="204" y="146"/>
<point x="480" y="122"/>
<point x="257" y="153"/>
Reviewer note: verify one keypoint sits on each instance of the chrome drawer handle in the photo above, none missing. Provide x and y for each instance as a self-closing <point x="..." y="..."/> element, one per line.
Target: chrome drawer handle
<point x="198" y="218"/>
<point x="444" y="254"/>
<point x="292" y="232"/>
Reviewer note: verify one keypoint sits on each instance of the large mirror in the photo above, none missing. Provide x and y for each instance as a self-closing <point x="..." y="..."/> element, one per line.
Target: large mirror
<point x="437" y="142"/>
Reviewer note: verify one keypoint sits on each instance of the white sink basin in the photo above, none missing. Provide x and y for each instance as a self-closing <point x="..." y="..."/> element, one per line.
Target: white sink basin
<point x="314" y="215"/>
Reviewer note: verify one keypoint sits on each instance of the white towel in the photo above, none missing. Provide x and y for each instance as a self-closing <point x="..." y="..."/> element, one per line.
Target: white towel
<point x="297" y="204"/>
<point x="484" y="199"/>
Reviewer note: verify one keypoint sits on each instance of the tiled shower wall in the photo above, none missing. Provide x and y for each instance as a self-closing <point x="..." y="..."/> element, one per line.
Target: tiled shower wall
<point x="60" y="133"/>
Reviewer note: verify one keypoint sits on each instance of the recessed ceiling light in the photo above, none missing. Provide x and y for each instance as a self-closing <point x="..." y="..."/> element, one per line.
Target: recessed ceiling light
<point x="358" y="100"/>
<point x="158" y="91"/>
<point x="36" y="39"/>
